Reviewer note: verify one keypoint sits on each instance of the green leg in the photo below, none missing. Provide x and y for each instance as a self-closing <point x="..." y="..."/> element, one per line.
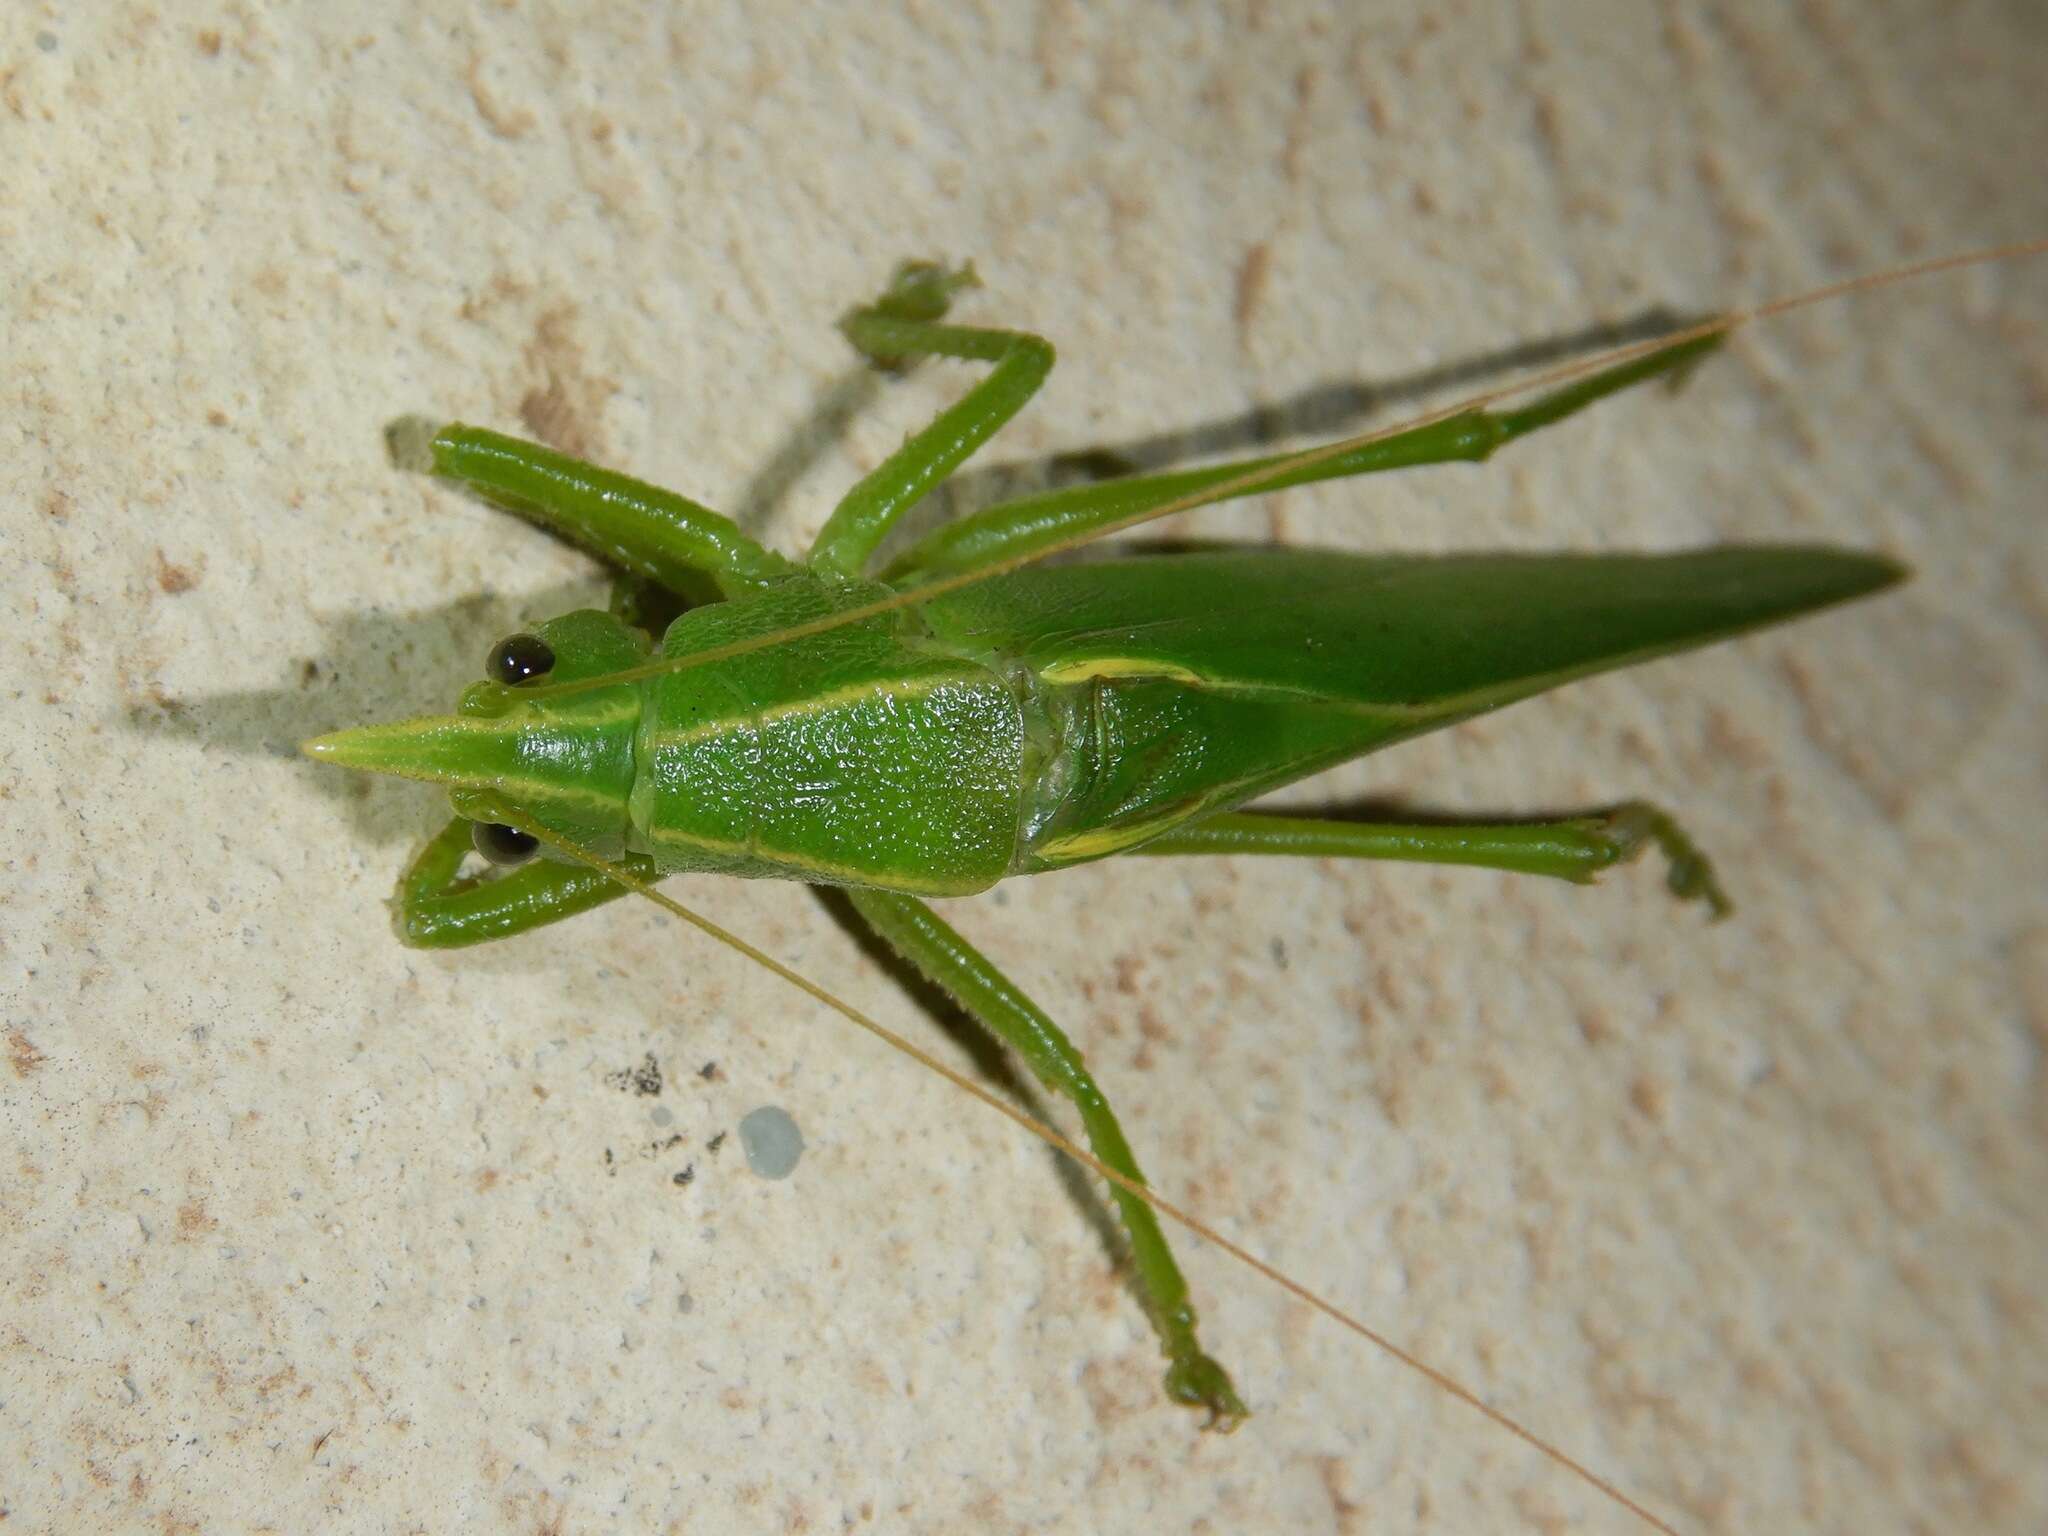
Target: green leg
<point x="1573" y="848"/>
<point x="914" y="931"/>
<point x="440" y="909"/>
<point x="1023" y="527"/>
<point x="645" y="531"/>
<point x="902" y="325"/>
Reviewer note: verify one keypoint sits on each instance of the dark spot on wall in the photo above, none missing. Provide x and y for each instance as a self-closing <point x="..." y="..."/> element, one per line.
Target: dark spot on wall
<point x="565" y="408"/>
<point x="22" y="1054"/>
<point x="175" y="579"/>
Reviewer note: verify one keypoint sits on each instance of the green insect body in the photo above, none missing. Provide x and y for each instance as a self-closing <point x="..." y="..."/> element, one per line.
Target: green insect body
<point x="1052" y="716"/>
<point x="966" y="717"/>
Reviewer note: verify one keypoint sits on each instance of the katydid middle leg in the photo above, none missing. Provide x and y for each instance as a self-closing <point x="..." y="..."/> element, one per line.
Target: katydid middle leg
<point x="1574" y="848"/>
<point x="917" y="933"/>
<point x="899" y="327"/>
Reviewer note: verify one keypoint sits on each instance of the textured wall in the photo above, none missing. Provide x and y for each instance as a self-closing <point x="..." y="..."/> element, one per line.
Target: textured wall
<point x="299" y="1229"/>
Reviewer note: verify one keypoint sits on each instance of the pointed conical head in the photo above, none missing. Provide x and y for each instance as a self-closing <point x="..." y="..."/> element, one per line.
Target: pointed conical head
<point x="568" y="763"/>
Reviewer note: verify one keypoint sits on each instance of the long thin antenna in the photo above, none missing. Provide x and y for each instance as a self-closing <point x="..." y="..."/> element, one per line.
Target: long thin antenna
<point x="1254" y="479"/>
<point x="512" y="816"/>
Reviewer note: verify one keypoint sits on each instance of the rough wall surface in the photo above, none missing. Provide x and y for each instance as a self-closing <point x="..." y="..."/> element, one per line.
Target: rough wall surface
<point x="300" y="1230"/>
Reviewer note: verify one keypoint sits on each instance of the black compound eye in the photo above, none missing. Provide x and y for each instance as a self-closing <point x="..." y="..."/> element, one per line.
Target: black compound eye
<point x="502" y="844"/>
<point x="517" y="658"/>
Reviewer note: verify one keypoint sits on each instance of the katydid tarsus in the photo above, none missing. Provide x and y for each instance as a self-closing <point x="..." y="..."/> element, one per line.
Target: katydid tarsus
<point x="965" y="713"/>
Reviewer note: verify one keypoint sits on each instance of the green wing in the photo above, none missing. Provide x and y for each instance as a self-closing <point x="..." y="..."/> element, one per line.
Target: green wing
<point x="1182" y="684"/>
<point x="1446" y="634"/>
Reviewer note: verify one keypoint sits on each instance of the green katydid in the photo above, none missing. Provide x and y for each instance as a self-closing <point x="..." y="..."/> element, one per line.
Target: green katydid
<point x="964" y="715"/>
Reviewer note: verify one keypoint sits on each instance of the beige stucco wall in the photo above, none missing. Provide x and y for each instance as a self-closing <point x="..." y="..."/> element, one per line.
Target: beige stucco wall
<point x="300" y="1230"/>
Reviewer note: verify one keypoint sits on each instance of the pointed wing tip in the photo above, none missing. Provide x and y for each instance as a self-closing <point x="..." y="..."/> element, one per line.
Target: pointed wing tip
<point x="1886" y="571"/>
<point x="1791" y="579"/>
<point x="1854" y="574"/>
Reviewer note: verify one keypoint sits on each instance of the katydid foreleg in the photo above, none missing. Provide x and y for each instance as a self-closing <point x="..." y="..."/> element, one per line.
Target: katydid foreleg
<point x="647" y="532"/>
<point x="441" y="908"/>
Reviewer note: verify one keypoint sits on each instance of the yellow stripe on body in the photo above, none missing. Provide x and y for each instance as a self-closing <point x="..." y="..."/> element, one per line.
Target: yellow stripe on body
<point x="497" y="725"/>
<point x="816" y="704"/>
<point x="1123" y="669"/>
<point x="826" y="870"/>
<point x="1100" y="842"/>
<point x="1476" y="701"/>
<point x="544" y="792"/>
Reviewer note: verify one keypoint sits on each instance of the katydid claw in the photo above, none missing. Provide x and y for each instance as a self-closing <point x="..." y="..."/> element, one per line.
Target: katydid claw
<point x="1197" y="1381"/>
<point x="410" y="442"/>
<point x="1690" y="876"/>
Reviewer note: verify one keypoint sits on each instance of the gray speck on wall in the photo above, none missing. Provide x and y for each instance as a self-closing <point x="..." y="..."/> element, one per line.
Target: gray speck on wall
<point x="771" y="1141"/>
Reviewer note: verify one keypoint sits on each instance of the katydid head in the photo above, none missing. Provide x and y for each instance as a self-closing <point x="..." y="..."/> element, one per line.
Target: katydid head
<point x="565" y="762"/>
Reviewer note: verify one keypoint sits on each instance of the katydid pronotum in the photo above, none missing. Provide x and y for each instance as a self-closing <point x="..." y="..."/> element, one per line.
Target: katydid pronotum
<point x="964" y="713"/>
